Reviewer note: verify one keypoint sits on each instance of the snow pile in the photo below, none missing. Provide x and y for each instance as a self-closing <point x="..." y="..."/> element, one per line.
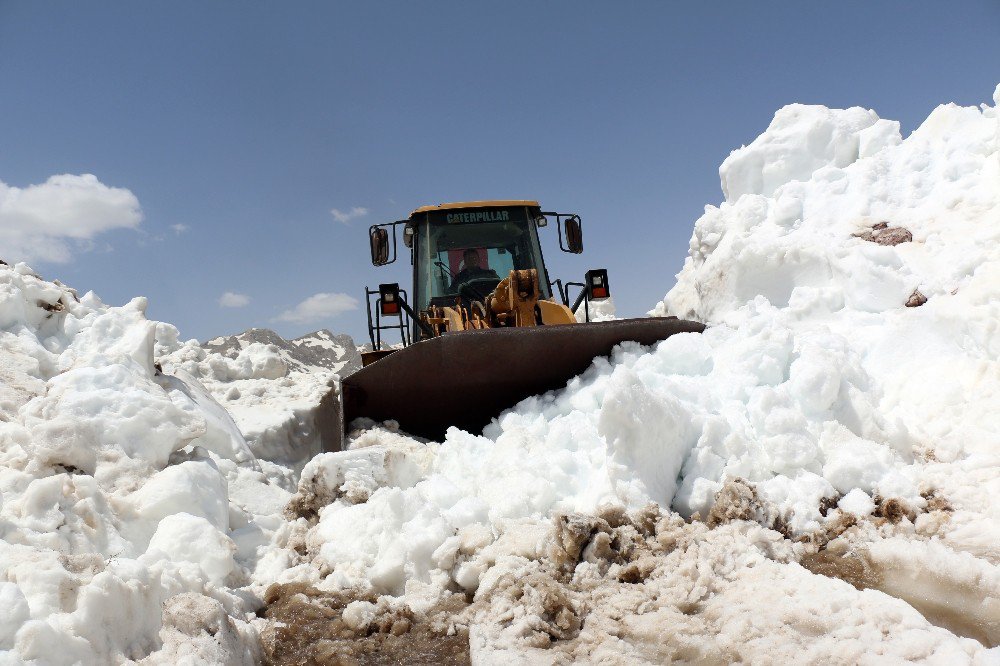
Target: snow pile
<point x="893" y="258"/>
<point x="132" y="507"/>
<point x="799" y="141"/>
<point x="803" y="239"/>
<point x="617" y="587"/>
<point x="844" y="396"/>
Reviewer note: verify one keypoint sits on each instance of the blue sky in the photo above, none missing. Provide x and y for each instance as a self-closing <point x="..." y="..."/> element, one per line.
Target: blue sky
<point x="238" y="127"/>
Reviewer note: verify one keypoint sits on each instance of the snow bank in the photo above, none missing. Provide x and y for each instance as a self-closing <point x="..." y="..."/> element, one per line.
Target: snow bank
<point x="126" y="494"/>
<point x="893" y="257"/>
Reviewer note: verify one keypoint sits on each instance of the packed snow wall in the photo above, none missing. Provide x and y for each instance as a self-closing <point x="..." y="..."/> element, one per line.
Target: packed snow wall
<point x="134" y="509"/>
<point x="877" y="259"/>
<point x="131" y="502"/>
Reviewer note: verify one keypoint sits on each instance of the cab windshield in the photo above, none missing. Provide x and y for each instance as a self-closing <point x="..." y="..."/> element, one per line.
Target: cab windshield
<point x="465" y="253"/>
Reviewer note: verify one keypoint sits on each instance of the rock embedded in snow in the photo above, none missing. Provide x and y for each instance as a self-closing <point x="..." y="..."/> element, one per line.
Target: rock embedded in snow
<point x="915" y="300"/>
<point x="883" y="234"/>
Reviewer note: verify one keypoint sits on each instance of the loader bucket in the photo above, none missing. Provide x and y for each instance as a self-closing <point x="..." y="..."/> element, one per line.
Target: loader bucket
<point x="466" y="379"/>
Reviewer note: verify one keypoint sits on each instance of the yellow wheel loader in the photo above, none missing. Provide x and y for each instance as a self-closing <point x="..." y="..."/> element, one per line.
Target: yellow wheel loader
<point x="484" y="326"/>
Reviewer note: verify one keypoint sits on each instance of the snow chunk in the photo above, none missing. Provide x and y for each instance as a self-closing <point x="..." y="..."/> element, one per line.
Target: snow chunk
<point x="857" y="502"/>
<point x="15" y="613"/>
<point x="193" y="488"/>
<point x="799" y="141"/>
<point x="182" y="537"/>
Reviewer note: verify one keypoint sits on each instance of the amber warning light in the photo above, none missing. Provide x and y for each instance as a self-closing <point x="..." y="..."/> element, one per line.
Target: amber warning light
<point x="597" y="284"/>
<point x="389" y="299"/>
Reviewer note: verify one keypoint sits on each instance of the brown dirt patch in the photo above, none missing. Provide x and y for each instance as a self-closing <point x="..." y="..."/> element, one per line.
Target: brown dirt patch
<point x="571" y="534"/>
<point x="58" y="306"/>
<point x="307" y="627"/>
<point x="542" y="595"/>
<point x="614" y="536"/>
<point x="936" y="502"/>
<point x="849" y="568"/>
<point x="827" y="504"/>
<point x="893" y="509"/>
<point x="738" y="500"/>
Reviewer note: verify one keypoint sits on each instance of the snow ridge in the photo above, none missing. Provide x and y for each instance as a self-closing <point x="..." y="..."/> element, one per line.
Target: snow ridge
<point x="317" y="351"/>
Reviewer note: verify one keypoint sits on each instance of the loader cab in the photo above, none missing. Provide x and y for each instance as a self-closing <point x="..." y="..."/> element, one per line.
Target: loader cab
<point x="463" y="253"/>
<point x="460" y="253"/>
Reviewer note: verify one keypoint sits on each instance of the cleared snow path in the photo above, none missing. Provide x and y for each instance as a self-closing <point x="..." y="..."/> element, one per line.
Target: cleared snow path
<point x="814" y="479"/>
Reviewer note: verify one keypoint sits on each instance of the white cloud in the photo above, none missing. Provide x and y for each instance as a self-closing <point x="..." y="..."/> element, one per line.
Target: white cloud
<point x="233" y="300"/>
<point x="318" y="307"/>
<point x="51" y="221"/>
<point x="179" y="228"/>
<point x="346" y="217"/>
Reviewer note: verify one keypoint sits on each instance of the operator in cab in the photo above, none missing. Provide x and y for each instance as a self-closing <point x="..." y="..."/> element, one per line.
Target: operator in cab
<point x="471" y="270"/>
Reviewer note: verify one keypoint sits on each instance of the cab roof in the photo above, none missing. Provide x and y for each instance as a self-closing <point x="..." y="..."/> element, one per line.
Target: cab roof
<point x="476" y="204"/>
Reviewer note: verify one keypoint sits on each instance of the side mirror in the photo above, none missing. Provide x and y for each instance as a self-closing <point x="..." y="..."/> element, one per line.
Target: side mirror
<point x="574" y="235"/>
<point x="380" y="246"/>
